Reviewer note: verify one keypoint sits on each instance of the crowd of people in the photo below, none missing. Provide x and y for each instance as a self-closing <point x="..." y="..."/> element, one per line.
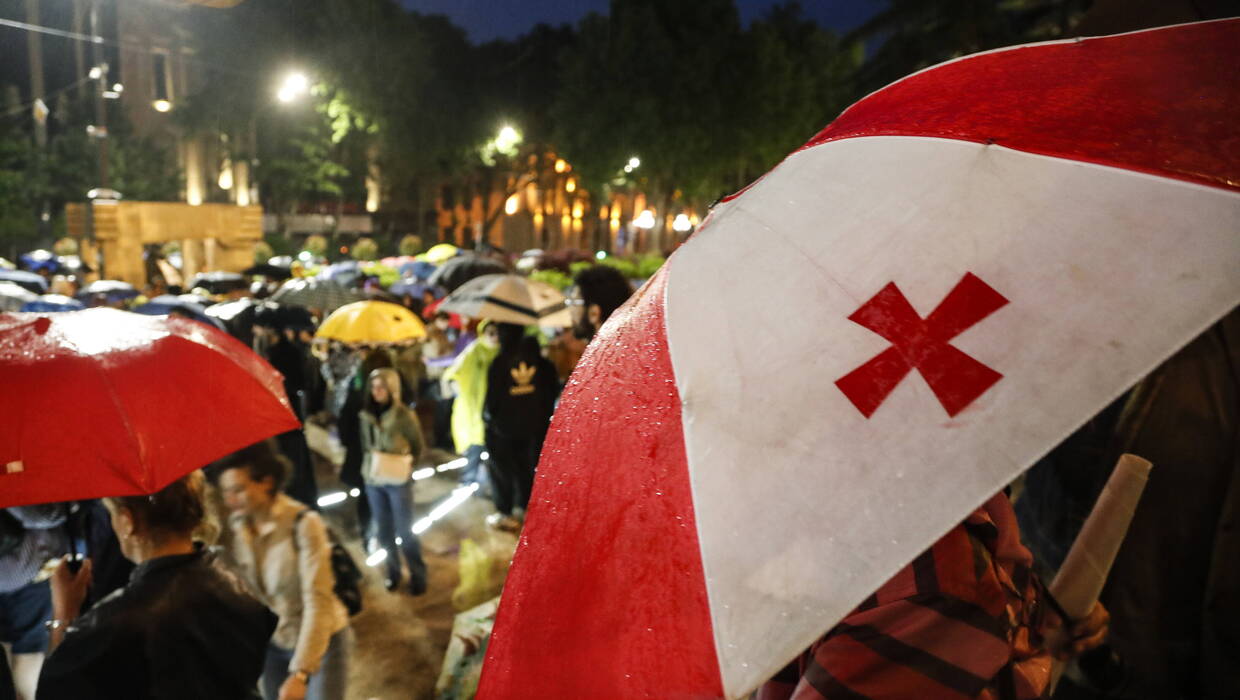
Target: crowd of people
<point x="228" y="583"/>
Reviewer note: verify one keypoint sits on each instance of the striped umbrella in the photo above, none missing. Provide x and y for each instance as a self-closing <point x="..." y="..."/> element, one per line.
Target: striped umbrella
<point x="511" y="299"/>
<point x="977" y="259"/>
<point x="314" y="293"/>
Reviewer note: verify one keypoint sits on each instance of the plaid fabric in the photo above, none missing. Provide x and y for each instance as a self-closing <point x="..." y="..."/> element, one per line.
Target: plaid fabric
<point x="964" y="620"/>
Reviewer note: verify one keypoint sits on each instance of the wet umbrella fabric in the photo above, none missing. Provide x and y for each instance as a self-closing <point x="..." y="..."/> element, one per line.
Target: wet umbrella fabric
<point x="982" y="256"/>
<point x="366" y="322"/>
<point x="187" y="304"/>
<point x="26" y="280"/>
<point x="460" y="270"/>
<point x="13" y="296"/>
<point x="103" y="402"/>
<point x="54" y="303"/>
<point x="511" y="299"/>
<point x="114" y="290"/>
<point x="37" y="260"/>
<point x="219" y="282"/>
<point x="315" y="294"/>
<point x="269" y="271"/>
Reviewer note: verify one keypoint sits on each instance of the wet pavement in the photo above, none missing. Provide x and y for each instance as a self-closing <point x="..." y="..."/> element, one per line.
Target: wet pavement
<point x="400" y="639"/>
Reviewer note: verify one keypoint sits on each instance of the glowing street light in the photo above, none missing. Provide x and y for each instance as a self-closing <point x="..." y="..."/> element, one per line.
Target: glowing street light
<point x="294" y="86"/>
<point x="507" y="138"/>
<point x="645" y="220"/>
<point x="510" y="206"/>
<point x="635" y="162"/>
<point x="162" y="105"/>
<point x="681" y="223"/>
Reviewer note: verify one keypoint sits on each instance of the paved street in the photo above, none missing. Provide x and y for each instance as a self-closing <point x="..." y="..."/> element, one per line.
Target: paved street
<point x="401" y="639"/>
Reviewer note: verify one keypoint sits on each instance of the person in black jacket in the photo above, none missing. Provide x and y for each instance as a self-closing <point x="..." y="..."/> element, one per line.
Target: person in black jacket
<point x="182" y="628"/>
<point x="521" y="391"/>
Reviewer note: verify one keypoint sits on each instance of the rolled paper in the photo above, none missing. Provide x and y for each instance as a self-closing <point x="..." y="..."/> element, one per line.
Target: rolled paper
<point x="1084" y="572"/>
<point x="1079" y="581"/>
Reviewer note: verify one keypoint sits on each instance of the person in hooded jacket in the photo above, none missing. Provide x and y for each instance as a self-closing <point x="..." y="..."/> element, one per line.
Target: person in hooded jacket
<point x="522" y="387"/>
<point x="182" y="628"/>
<point x="389" y="429"/>
<point x="468" y="374"/>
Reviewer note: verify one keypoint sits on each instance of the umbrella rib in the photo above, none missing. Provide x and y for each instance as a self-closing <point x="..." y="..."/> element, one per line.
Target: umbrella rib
<point x="137" y="444"/>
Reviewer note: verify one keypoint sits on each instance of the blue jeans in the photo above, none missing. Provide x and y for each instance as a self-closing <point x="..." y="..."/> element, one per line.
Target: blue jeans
<point x="22" y="614"/>
<point x="328" y="683"/>
<point x="391" y="510"/>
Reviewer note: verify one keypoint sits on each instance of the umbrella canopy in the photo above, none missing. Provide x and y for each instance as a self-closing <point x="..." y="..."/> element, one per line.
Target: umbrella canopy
<point x="269" y="271"/>
<point x="13" y="296"/>
<point x="188" y="305"/>
<point x="114" y="290"/>
<point x="219" y="282"/>
<point x="37" y="260"/>
<point x="315" y="294"/>
<point x="104" y="402"/>
<point x="511" y="299"/>
<point x="441" y="253"/>
<point x="26" y="280"/>
<point x="53" y="302"/>
<point x="418" y="269"/>
<point x="979" y="258"/>
<point x="372" y="322"/>
<point x="460" y="270"/>
<point x="412" y="287"/>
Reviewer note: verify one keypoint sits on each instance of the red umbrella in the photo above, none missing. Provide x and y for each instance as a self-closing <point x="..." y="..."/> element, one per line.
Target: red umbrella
<point x="103" y="402"/>
<point x="978" y="258"/>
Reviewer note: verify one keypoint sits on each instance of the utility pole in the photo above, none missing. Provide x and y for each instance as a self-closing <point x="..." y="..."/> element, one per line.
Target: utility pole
<point x="34" y="49"/>
<point x="99" y="70"/>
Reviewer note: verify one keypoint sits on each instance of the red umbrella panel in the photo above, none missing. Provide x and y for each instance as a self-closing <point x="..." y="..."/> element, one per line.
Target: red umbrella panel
<point x="861" y="348"/>
<point x="103" y="402"/>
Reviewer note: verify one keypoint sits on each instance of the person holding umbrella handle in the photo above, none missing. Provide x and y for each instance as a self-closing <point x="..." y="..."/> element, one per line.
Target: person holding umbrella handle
<point x="182" y="628"/>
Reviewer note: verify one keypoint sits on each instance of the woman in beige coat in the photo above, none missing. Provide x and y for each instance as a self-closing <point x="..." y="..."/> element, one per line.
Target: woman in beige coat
<point x="283" y="552"/>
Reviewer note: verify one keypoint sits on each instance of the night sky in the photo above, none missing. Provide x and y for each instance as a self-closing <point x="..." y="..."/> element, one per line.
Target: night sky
<point x="489" y="19"/>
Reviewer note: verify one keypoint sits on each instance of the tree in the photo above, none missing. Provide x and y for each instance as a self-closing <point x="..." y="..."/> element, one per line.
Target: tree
<point x="914" y="34"/>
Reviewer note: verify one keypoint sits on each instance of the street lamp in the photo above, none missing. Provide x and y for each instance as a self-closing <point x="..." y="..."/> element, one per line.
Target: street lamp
<point x="681" y="223"/>
<point x="645" y="220"/>
<point x="294" y="86"/>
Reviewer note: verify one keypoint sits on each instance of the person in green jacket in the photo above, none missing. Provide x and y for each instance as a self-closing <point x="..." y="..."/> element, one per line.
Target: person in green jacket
<point x="469" y="372"/>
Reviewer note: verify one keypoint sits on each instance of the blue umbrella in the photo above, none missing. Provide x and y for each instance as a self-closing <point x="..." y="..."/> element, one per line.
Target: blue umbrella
<point x="37" y="260"/>
<point x="413" y="288"/>
<point x="28" y="280"/>
<point x="53" y="302"/>
<point x="185" y="304"/>
<point x="419" y="269"/>
<point x="345" y="272"/>
<point x="113" y="290"/>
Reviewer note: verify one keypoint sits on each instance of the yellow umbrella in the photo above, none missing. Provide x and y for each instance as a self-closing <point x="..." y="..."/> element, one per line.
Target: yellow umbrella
<point x="372" y="322"/>
<point x="441" y="253"/>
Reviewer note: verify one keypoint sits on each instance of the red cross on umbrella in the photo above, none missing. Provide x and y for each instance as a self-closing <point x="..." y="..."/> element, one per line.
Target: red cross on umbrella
<point x="736" y="463"/>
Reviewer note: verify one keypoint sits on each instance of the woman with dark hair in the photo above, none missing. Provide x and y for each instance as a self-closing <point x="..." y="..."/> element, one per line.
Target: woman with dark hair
<point x="283" y="552"/>
<point x="182" y="628"/>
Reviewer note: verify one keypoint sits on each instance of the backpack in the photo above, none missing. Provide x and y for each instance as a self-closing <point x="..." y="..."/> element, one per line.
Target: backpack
<point x="348" y="577"/>
<point x="12" y="533"/>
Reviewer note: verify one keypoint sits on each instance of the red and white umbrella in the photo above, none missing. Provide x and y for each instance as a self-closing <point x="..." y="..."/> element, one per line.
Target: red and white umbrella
<point x="967" y="265"/>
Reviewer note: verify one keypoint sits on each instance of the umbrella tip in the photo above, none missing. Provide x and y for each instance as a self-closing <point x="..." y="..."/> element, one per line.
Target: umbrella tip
<point x="41" y="324"/>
